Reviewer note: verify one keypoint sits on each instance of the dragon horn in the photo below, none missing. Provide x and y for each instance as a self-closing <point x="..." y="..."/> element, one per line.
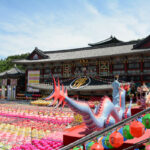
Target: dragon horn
<point x="66" y="92"/>
<point x="62" y="93"/>
<point x="57" y="91"/>
<point x="56" y="94"/>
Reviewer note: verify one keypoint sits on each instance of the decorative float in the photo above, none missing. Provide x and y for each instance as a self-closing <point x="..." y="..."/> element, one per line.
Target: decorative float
<point x="105" y="114"/>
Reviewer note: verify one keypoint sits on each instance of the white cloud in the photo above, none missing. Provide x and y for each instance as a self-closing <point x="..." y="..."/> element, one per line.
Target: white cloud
<point x="89" y="26"/>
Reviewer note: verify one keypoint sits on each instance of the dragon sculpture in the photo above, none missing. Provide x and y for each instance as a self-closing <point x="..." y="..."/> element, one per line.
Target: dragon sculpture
<point x="105" y="114"/>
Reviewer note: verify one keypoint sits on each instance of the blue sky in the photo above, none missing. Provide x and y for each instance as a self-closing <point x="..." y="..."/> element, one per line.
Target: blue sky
<point x="63" y="24"/>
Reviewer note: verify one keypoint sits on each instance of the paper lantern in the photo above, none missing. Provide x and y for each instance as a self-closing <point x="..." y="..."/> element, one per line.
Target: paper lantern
<point x="121" y="132"/>
<point x="116" y="139"/>
<point x="137" y="129"/>
<point x="97" y="146"/>
<point x="103" y="143"/>
<point x="76" y="148"/>
<point x="147" y="147"/>
<point x="126" y="132"/>
<point x="146" y="121"/>
<point x="107" y="143"/>
<point x="88" y="147"/>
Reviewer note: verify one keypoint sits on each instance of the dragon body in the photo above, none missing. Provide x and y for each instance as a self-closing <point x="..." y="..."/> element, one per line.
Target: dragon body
<point x="105" y="114"/>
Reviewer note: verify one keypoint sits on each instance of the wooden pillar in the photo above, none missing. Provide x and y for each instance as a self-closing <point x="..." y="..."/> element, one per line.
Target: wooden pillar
<point x="125" y="62"/>
<point x="126" y="65"/>
<point x="73" y="67"/>
<point x="111" y="66"/>
<point x="62" y="69"/>
<point x="141" y="65"/>
<point x="141" y="69"/>
<point x="42" y="74"/>
<point x="52" y="69"/>
<point x="26" y="79"/>
<point x="97" y="66"/>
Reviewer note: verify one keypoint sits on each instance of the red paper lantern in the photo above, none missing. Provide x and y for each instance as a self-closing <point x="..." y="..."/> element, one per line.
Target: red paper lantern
<point x="137" y="129"/>
<point x="147" y="147"/>
<point x="116" y="139"/>
<point x="97" y="146"/>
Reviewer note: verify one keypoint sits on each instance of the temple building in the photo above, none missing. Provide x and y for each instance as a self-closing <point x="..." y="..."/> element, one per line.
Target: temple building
<point x="89" y="70"/>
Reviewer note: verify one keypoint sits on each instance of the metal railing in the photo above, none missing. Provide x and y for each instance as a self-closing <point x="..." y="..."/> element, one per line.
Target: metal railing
<point x="136" y="145"/>
<point x="106" y="130"/>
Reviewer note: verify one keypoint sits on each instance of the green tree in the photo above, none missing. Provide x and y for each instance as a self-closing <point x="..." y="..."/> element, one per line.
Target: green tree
<point x="6" y="64"/>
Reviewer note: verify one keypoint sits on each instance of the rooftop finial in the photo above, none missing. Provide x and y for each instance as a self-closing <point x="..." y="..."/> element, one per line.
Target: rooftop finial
<point x="36" y="48"/>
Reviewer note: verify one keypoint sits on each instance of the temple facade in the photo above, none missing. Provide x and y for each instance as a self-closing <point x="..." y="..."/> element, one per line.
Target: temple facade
<point x="94" y="65"/>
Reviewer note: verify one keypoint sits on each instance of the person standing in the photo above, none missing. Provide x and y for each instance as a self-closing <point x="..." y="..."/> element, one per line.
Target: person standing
<point x="115" y="94"/>
<point x="144" y="91"/>
<point x="133" y="90"/>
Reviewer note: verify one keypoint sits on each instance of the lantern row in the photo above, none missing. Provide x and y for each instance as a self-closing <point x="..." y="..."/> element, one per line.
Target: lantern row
<point x="116" y="138"/>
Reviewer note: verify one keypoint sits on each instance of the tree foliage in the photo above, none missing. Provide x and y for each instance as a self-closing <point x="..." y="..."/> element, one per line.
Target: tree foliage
<point x="6" y="64"/>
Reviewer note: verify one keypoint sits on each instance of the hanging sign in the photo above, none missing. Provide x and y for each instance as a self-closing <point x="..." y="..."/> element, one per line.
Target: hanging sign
<point x="13" y="82"/>
<point x="33" y="78"/>
<point x="80" y="82"/>
<point x="103" y="68"/>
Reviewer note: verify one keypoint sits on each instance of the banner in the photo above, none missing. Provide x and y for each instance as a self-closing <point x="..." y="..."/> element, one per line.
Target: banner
<point x="4" y="82"/>
<point x="13" y="92"/>
<point x="33" y="78"/>
<point x="103" y="68"/>
<point x="9" y="92"/>
<point x="3" y="94"/>
<point x="13" y="82"/>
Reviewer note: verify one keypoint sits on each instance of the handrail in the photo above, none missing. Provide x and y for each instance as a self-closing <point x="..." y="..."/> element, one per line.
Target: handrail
<point x="102" y="132"/>
<point x="138" y="143"/>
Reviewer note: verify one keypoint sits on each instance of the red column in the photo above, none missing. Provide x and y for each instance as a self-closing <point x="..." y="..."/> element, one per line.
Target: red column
<point x="141" y="65"/>
<point x="42" y="74"/>
<point x="126" y="65"/>
<point x="73" y="68"/>
<point x="110" y="67"/>
<point x="26" y="79"/>
<point x="141" y="69"/>
<point x="52" y="70"/>
<point x="97" y="66"/>
<point x="62" y="70"/>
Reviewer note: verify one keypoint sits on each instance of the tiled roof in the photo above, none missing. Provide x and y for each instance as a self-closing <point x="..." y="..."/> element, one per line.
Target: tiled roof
<point x="11" y="73"/>
<point x="87" y="53"/>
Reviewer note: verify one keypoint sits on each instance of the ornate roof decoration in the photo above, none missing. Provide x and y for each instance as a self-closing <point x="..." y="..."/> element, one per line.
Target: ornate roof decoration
<point x="143" y="43"/>
<point x="37" y="52"/>
<point x="110" y="40"/>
